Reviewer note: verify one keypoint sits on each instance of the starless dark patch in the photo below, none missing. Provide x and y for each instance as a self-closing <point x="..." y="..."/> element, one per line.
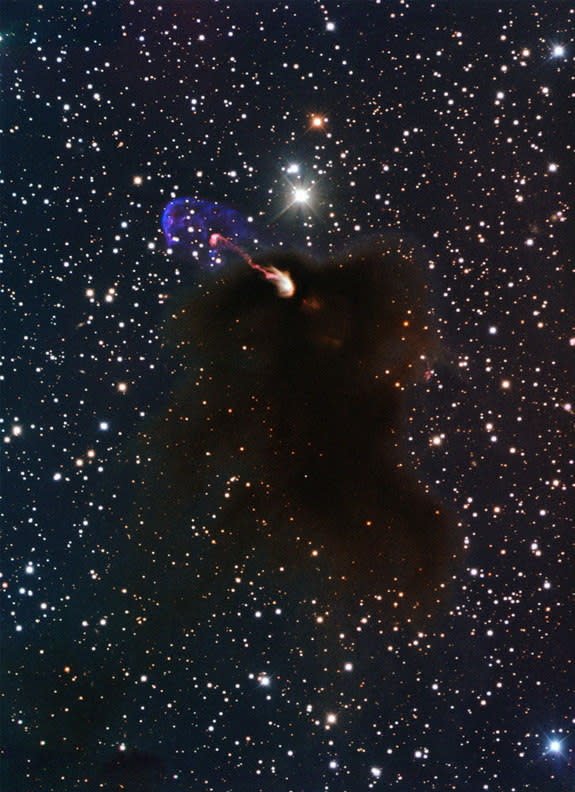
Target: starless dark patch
<point x="284" y="437"/>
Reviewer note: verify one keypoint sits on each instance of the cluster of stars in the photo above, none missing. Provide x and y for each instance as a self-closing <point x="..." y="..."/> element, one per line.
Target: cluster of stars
<point x="322" y="126"/>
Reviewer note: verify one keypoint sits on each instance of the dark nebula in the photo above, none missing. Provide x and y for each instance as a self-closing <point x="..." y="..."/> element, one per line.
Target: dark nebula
<point x="284" y="437"/>
<point x="134" y="770"/>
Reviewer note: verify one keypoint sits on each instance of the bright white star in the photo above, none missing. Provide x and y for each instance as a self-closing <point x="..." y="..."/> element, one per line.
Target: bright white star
<point x="301" y="195"/>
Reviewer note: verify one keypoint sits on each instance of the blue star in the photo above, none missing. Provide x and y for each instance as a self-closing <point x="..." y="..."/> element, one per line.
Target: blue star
<point x="554" y="745"/>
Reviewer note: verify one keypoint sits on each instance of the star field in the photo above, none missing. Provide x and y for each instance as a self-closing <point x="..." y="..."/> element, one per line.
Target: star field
<point x="319" y="122"/>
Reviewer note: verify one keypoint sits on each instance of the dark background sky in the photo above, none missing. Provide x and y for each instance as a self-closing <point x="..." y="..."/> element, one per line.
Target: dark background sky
<point x="449" y="122"/>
